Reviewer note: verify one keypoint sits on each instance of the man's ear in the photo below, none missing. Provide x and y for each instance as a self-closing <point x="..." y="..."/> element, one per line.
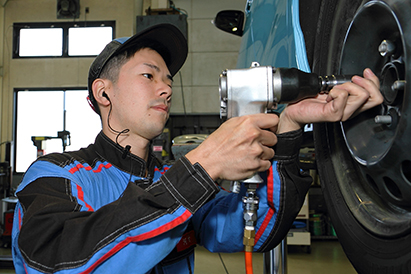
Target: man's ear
<point x="99" y="91"/>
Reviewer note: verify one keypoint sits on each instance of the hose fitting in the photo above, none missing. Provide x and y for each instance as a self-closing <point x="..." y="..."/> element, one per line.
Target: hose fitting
<point x="249" y="240"/>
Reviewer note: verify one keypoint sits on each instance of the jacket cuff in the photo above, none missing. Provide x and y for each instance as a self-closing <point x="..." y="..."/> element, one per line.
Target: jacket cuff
<point x="189" y="184"/>
<point x="288" y="145"/>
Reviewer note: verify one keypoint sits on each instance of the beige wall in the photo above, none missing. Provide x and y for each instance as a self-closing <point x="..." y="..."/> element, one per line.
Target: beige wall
<point x="210" y="51"/>
<point x="2" y="91"/>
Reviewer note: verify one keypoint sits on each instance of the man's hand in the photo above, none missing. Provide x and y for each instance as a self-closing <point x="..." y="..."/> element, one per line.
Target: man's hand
<point x="342" y="102"/>
<point x="238" y="148"/>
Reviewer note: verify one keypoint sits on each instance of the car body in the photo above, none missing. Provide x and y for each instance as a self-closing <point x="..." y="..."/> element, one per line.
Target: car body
<point x="364" y="164"/>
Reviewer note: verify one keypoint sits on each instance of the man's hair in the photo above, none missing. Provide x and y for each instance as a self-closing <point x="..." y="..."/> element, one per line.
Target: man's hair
<point x="112" y="69"/>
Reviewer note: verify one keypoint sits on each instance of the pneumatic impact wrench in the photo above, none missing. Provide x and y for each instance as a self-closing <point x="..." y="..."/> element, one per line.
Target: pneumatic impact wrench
<point x="259" y="89"/>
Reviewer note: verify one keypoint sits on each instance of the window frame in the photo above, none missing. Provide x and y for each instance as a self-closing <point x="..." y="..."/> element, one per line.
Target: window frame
<point x="65" y="26"/>
<point x="15" y="118"/>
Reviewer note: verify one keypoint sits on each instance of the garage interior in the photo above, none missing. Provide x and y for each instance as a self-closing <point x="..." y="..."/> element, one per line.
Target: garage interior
<point x="312" y="248"/>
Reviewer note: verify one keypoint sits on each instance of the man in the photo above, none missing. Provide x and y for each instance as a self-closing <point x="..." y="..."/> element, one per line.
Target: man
<point x="113" y="208"/>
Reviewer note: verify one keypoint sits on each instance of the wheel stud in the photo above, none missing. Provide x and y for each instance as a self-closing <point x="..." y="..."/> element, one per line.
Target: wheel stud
<point x="386" y="47"/>
<point x="383" y="119"/>
<point x="398" y="85"/>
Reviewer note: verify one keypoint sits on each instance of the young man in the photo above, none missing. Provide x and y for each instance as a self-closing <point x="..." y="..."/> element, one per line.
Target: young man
<point x="113" y="208"/>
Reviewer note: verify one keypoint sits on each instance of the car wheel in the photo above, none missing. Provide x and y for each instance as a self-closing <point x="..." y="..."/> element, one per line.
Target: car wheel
<point x="365" y="163"/>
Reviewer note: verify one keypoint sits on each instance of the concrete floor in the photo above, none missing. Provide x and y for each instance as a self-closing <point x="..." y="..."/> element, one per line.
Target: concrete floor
<point x="325" y="257"/>
<point x="5" y="266"/>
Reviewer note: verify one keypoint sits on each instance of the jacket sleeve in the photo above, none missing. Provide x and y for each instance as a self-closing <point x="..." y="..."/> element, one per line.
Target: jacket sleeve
<point x="219" y="224"/>
<point x="56" y="229"/>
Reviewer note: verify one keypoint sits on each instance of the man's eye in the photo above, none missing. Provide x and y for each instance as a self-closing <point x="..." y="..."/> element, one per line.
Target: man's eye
<point x="148" y="75"/>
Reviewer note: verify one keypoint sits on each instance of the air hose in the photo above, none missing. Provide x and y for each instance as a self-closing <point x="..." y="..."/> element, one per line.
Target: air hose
<point x="250" y="206"/>
<point x="248" y="262"/>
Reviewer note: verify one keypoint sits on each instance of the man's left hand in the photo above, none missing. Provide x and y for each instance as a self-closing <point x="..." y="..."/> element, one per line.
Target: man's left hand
<point x="341" y="103"/>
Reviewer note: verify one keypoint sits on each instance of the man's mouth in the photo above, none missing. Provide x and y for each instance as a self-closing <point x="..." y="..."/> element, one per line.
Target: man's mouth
<point x="161" y="107"/>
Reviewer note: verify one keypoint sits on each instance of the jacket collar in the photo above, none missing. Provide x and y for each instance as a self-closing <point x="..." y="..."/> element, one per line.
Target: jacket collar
<point x="123" y="159"/>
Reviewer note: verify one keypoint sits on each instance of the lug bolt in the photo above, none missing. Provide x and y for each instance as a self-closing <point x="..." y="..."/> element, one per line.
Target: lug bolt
<point x="383" y="119"/>
<point x="398" y="85"/>
<point x="386" y="47"/>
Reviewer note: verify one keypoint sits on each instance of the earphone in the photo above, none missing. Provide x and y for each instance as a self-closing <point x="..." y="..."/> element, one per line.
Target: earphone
<point x="128" y="147"/>
<point x="105" y="95"/>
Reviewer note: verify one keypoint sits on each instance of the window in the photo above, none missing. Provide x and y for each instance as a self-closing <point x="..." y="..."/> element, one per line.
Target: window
<point x="69" y="39"/>
<point x="83" y="41"/>
<point x="41" y="42"/>
<point x="45" y="113"/>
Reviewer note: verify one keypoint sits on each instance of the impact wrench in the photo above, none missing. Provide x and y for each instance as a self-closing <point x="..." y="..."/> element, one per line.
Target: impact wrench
<point x="259" y="89"/>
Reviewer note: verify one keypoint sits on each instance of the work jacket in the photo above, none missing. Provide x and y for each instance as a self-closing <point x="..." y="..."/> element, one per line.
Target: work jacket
<point x="96" y="211"/>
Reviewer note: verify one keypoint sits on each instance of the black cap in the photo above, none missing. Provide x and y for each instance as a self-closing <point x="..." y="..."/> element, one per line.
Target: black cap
<point x="167" y="35"/>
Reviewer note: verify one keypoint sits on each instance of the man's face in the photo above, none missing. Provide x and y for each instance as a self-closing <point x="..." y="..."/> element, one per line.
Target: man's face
<point x="142" y="95"/>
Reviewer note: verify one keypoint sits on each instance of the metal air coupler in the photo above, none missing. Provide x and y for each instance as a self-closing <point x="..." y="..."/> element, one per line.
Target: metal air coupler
<point x="250" y="206"/>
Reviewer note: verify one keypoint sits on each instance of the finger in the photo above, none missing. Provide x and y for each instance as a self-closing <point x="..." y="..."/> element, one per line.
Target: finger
<point x="265" y="120"/>
<point x="336" y="103"/>
<point x="371" y="84"/>
<point x="358" y="89"/>
<point x="258" y="159"/>
<point x="268" y="138"/>
<point x="255" y="121"/>
<point x="357" y="99"/>
<point x="268" y="153"/>
<point x="369" y="74"/>
<point x="263" y="152"/>
<point x="264" y="165"/>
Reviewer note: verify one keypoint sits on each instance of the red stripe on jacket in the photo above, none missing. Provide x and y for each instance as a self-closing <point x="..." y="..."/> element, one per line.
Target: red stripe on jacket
<point x="166" y="227"/>
<point x="80" y="195"/>
<point x="271" y="211"/>
<point x="88" y="168"/>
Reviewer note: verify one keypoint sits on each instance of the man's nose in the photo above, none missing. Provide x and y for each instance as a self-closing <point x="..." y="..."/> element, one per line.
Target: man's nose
<point x="165" y="90"/>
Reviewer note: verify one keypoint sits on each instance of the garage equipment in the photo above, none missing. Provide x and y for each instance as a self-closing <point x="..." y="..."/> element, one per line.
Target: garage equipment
<point x="38" y="141"/>
<point x="259" y="89"/>
<point x="64" y="135"/>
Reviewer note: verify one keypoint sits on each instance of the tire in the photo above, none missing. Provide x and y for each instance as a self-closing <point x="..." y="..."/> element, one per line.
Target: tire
<point x="365" y="166"/>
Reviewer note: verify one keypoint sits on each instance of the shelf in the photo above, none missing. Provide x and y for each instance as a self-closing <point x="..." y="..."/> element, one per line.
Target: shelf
<point x="324" y="237"/>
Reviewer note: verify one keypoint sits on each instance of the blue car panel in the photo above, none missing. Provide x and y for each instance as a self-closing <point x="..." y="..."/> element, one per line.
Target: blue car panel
<point x="272" y="35"/>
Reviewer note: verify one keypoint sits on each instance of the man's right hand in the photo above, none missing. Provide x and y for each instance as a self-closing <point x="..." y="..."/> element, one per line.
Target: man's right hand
<point x="239" y="148"/>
